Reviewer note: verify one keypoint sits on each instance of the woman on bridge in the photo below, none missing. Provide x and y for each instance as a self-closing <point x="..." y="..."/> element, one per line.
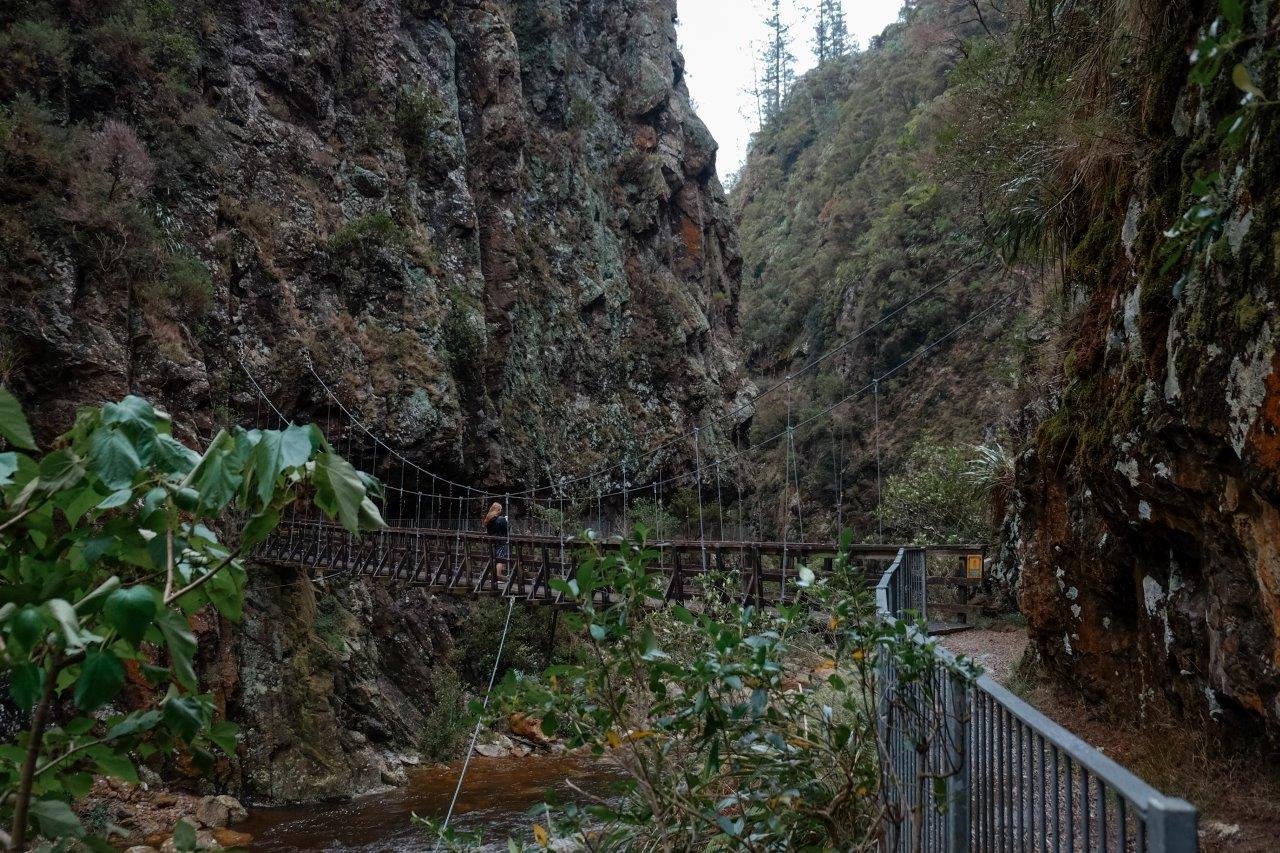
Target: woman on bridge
<point x="495" y="524"/>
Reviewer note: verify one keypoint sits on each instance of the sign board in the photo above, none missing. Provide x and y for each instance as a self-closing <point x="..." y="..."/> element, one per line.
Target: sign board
<point x="973" y="566"/>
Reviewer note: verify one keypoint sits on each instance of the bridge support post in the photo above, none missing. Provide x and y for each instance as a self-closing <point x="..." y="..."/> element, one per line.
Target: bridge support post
<point x="551" y="635"/>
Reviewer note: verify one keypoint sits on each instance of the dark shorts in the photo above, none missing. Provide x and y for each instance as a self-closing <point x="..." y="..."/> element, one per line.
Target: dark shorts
<point x="502" y="552"/>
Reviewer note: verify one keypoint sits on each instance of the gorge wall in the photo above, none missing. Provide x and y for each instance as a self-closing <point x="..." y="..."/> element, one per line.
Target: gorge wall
<point x="1123" y="156"/>
<point x="1146" y="509"/>
<point x="844" y="218"/>
<point x="494" y="226"/>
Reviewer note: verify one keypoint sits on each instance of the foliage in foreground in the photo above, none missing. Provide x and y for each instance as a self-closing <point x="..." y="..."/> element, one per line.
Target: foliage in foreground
<point x="107" y="544"/>
<point x="721" y="742"/>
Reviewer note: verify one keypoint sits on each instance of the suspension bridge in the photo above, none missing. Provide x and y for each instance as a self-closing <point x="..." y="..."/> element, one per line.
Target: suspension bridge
<point x="971" y="767"/>
<point x="433" y="540"/>
<point x="522" y="566"/>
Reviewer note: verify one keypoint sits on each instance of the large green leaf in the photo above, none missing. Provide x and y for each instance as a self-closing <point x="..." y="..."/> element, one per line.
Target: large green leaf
<point x="65" y="615"/>
<point x="296" y="446"/>
<point x="27" y="626"/>
<point x="259" y="528"/>
<point x="216" y="478"/>
<point x="1244" y="81"/>
<point x="113" y="458"/>
<point x="78" y="785"/>
<point x="370" y="515"/>
<point x="92" y="602"/>
<point x="339" y="490"/>
<point x="114" y="764"/>
<point x="174" y="457"/>
<point x="101" y="677"/>
<point x="130" y="611"/>
<point x="182" y="646"/>
<point x="183" y="716"/>
<point x="76" y="502"/>
<point x="268" y="462"/>
<point x="226" y="591"/>
<point x="115" y="500"/>
<point x="25" y="683"/>
<point x="60" y="470"/>
<point x="225" y="734"/>
<point x="13" y="424"/>
<point x="184" y="837"/>
<point x="56" y="819"/>
<point x="1233" y="11"/>
<point x="131" y="410"/>
<point x="138" y="721"/>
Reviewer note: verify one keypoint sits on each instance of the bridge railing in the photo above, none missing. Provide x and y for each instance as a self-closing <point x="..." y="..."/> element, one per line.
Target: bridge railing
<point x="968" y="766"/>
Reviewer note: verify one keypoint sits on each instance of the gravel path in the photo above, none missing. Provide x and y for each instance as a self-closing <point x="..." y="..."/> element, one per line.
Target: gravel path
<point x="1237" y="798"/>
<point x="996" y="651"/>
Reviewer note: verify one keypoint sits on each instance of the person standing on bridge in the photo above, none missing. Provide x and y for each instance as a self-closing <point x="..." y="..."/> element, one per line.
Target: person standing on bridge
<point x="495" y="524"/>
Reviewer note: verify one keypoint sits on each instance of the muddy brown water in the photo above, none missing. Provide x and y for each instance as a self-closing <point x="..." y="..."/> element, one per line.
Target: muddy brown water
<point x="497" y="794"/>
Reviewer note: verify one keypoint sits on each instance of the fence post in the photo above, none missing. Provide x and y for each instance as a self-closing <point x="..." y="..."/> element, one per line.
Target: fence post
<point x="1171" y="826"/>
<point x="958" y="785"/>
<point x="923" y="568"/>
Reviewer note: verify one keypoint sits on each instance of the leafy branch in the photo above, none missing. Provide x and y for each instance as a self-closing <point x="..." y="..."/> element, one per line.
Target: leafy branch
<point x="118" y="503"/>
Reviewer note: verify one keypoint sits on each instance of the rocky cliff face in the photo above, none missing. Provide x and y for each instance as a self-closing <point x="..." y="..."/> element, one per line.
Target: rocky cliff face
<point x="496" y="226"/>
<point x="493" y="225"/>
<point x="1147" y="516"/>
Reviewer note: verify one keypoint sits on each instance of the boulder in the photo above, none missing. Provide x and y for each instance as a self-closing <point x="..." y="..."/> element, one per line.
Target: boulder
<point x="221" y="810"/>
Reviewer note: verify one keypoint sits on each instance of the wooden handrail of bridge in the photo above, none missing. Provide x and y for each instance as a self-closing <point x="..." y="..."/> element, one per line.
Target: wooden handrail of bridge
<point x="455" y="561"/>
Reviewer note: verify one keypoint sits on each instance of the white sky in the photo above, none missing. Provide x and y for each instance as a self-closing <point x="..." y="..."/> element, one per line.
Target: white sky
<point x="720" y="38"/>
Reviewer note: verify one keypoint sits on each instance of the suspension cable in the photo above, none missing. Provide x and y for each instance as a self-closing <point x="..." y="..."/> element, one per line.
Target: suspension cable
<point x="795" y="463"/>
<point x="660" y="481"/>
<point x="879" y="485"/>
<point x="625" y="532"/>
<point x="921" y="352"/>
<point x="754" y="399"/>
<point x="475" y="734"/>
<point x="702" y="528"/>
<point x="786" y="497"/>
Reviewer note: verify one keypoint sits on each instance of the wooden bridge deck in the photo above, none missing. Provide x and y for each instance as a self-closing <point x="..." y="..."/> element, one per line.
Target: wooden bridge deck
<point x="456" y="562"/>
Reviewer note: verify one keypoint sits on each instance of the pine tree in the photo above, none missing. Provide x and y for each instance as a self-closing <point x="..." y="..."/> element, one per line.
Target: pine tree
<point x="778" y="63"/>
<point x="822" y="32"/>
<point x="831" y="32"/>
<point x="837" y="29"/>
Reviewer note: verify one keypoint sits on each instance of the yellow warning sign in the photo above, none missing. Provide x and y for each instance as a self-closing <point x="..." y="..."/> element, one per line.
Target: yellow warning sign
<point x="973" y="566"/>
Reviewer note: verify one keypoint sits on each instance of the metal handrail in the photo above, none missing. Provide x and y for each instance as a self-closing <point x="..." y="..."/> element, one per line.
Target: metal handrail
<point x="987" y="797"/>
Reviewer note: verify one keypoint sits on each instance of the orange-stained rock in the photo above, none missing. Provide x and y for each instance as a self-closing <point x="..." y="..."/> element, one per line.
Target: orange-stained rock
<point x="528" y="728"/>
<point x="230" y="838"/>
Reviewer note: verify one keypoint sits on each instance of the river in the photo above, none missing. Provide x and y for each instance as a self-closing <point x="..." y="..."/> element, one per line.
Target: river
<point x="497" y="793"/>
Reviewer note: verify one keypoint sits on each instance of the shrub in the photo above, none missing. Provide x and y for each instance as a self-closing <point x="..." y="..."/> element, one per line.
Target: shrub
<point x="935" y="498"/>
<point x="35" y="57"/>
<point x="107" y="546"/>
<point x="190" y="284"/>
<point x="445" y="725"/>
<point x="656" y="518"/>
<point x="701" y="715"/>
<point x="373" y="230"/>
<point x="476" y="647"/>
<point x="421" y="119"/>
<point x="463" y="343"/>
